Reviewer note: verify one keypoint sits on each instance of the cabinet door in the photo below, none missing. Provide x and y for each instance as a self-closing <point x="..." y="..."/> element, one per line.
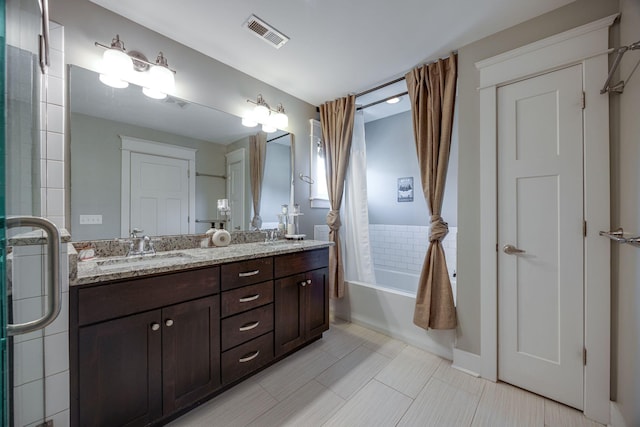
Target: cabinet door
<point x="289" y="316"/>
<point x="120" y="371"/>
<point x="317" y="302"/>
<point x="190" y="351"/>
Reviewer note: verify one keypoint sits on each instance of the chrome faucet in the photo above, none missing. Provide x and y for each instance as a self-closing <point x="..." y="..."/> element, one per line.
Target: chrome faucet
<point x="140" y="245"/>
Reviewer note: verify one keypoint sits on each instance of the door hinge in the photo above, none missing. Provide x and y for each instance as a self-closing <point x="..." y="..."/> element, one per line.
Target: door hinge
<point x="584" y="100"/>
<point x="188" y="219"/>
<point x="584" y="228"/>
<point x="584" y="356"/>
<point x="497" y="249"/>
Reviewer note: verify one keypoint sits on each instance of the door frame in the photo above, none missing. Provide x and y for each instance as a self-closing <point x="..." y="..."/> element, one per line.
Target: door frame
<point x="586" y="45"/>
<point x="142" y="146"/>
<point x="239" y="156"/>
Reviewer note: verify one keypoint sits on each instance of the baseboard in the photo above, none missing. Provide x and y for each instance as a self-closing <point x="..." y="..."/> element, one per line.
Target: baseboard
<point x="466" y="362"/>
<point x="616" y="419"/>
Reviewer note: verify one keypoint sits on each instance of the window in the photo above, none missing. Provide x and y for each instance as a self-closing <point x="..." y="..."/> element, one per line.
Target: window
<point x="318" y="193"/>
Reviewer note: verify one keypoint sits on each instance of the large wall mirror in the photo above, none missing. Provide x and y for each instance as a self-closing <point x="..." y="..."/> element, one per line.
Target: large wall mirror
<point x="101" y="117"/>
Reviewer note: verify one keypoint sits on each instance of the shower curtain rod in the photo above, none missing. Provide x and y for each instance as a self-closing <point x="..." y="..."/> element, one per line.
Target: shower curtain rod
<point x="278" y="137"/>
<point x="380" y="101"/>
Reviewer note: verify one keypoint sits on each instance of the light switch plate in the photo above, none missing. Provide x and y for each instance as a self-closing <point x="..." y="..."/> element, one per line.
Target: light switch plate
<point x="90" y="219"/>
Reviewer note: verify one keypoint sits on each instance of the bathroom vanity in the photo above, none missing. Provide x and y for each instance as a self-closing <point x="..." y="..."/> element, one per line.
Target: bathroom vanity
<point x="150" y="339"/>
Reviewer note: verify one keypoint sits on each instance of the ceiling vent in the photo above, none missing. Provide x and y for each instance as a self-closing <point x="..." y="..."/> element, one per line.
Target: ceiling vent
<point x="266" y="32"/>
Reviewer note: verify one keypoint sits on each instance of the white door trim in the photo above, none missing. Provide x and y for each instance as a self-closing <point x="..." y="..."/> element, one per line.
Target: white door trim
<point x="232" y="157"/>
<point x="129" y="145"/>
<point x="586" y="45"/>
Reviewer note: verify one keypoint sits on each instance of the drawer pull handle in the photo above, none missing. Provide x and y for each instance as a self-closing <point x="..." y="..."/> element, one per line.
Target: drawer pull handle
<point x="249" y="273"/>
<point x="249" y="299"/>
<point x="155" y="326"/>
<point x="249" y="326"/>
<point x="249" y="358"/>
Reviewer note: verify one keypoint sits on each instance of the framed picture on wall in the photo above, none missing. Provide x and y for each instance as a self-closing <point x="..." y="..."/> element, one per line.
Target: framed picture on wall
<point x="405" y="189"/>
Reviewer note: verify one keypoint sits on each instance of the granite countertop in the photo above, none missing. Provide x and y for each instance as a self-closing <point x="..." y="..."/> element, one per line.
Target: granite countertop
<point x="105" y="269"/>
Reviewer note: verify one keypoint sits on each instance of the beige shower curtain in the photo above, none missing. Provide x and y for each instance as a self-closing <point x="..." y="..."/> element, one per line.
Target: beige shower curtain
<point x="257" y="156"/>
<point x="432" y="92"/>
<point x="336" y="119"/>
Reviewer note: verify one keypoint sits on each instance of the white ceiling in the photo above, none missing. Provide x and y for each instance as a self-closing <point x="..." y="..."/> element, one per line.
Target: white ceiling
<point x="336" y="47"/>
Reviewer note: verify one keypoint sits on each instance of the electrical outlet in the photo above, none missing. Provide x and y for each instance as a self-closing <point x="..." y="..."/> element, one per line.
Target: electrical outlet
<point x="90" y="219"/>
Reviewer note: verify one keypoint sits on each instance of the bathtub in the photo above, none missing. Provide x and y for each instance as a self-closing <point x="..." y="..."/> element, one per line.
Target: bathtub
<point x="388" y="307"/>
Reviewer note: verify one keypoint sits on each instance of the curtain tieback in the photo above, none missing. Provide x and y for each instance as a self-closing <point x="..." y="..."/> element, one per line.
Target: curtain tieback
<point x="439" y="229"/>
<point x="333" y="220"/>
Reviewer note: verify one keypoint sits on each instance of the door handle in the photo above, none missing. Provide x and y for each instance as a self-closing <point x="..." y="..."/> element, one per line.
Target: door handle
<point x="43" y="44"/>
<point x="512" y="250"/>
<point x="53" y="284"/>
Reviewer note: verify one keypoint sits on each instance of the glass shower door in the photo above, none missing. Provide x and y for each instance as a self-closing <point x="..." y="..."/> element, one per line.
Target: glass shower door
<point x="28" y="273"/>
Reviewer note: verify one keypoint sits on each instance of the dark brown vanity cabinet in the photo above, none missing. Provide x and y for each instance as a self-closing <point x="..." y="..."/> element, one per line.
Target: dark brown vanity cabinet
<point x="301" y="298"/>
<point x="247" y="323"/>
<point x="148" y="355"/>
<point x="145" y="349"/>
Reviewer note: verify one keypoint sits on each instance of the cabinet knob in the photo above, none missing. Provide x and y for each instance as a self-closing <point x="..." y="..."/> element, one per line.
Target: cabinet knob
<point x="308" y="281"/>
<point x="168" y="322"/>
<point x="155" y="326"/>
<point x="303" y="283"/>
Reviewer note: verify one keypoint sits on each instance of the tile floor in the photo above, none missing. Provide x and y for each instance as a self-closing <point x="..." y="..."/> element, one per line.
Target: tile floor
<point x="357" y="377"/>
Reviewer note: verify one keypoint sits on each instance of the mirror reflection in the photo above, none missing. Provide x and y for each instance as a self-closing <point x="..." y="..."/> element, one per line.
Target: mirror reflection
<point x="142" y="146"/>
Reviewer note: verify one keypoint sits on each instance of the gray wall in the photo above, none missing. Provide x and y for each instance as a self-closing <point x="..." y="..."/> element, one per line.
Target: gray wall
<point x="625" y="212"/>
<point x="570" y="16"/>
<point x="96" y="173"/>
<point x="391" y="154"/>
<point x="199" y="78"/>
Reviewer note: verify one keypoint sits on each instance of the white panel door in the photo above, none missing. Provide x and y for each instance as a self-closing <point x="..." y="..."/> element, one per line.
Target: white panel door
<point x="540" y="211"/>
<point x="235" y="190"/>
<point x="159" y="194"/>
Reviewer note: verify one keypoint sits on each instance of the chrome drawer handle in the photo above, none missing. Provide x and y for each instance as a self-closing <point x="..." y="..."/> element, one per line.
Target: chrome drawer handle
<point x="249" y="299"/>
<point x="249" y="326"/>
<point x="249" y="358"/>
<point x="249" y="273"/>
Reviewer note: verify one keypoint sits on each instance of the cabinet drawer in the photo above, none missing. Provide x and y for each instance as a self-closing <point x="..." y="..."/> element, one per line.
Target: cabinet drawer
<point x="246" y="358"/>
<point x="119" y="299"/>
<point x="246" y="298"/>
<point x="237" y="274"/>
<point x="286" y="265"/>
<point x="246" y="326"/>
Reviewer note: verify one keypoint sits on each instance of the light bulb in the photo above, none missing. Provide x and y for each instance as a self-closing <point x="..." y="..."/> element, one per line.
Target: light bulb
<point x="280" y="120"/>
<point x="160" y="79"/>
<point x="116" y="66"/>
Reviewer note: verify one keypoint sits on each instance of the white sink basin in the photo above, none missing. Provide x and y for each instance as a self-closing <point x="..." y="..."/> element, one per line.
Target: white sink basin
<point x="143" y="261"/>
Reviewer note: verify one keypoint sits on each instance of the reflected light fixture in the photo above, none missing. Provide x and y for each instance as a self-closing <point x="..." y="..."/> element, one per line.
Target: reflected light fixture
<point x="271" y="120"/>
<point x="116" y="64"/>
<point x="118" y="67"/>
<point x="393" y="100"/>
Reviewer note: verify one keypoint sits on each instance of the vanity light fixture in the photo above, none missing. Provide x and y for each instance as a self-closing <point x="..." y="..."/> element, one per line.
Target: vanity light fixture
<point x="161" y="79"/>
<point x="271" y="120"/>
<point x="116" y="63"/>
<point x="118" y="68"/>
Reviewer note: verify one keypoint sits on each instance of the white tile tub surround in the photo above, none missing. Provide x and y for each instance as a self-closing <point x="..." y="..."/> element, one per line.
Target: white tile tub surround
<point x="401" y="247"/>
<point x="41" y="358"/>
